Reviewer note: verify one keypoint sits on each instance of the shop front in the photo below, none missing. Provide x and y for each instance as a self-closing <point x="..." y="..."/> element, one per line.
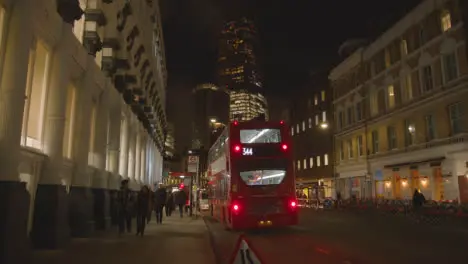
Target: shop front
<point x="399" y="181"/>
<point x="315" y="189"/>
<point x="354" y="184"/>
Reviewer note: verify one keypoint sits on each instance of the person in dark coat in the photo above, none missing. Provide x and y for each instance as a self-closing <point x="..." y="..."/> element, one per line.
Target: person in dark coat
<point x="160" y="197"/>
<point x="124" y="207"/>
<point x="143" y="201"/>
<point x="170" y="204"/>
<point x="150" y="205"/>
<point x="180" y="200"/>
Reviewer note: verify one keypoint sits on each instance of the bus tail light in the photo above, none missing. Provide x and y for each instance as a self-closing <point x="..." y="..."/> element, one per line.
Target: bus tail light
<point x="292" y="204"/>
<point x="236" y="123"/>
<point x="284" y="147"/>
<point x="282" y="122"/>
<point x="235" y="207"/>
<point x="237" y="148"/>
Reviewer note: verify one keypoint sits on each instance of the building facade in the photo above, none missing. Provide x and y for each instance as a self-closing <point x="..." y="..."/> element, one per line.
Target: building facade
<point x="239" y="71"/>
<point x="82" y="99"/>
<point x="211" y="106"/>
<point x="311" y="113"/>
<point x="400" y="109"/>
<point x="169" y="144"/>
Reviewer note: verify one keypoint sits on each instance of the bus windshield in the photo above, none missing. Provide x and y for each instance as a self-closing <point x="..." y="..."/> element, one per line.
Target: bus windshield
<point x="249" y="136"/>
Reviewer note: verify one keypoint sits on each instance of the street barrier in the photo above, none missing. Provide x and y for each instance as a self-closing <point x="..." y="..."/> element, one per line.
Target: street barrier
<point x="448" y="213"/>
<point x="244" y="253"/>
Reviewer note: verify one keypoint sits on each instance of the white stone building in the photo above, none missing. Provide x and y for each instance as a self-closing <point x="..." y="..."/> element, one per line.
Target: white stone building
<point x="82" y="106"/>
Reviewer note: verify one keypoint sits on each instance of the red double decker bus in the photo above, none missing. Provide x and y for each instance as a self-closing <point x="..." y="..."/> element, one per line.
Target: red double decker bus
<point x="252" y="181"/>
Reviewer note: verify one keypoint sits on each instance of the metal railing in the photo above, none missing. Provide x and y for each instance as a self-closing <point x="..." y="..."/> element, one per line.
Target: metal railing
<point x="432" y="212"/>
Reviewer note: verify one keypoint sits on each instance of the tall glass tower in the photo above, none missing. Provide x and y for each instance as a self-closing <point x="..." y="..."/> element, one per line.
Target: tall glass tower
<point x="238" y="71"/>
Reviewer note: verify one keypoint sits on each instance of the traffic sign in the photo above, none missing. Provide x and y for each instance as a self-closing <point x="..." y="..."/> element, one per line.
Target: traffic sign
<point x="244" y="253"/>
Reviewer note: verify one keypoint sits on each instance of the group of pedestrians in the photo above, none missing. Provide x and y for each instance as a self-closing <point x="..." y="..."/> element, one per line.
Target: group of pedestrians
<point x="141" y="205"/>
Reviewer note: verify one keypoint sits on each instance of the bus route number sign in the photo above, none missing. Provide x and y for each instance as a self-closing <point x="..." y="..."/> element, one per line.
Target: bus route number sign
<point x="247" y="151"/>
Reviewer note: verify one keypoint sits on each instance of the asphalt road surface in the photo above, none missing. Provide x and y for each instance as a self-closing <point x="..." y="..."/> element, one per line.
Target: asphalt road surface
<point x="337" y="237"/>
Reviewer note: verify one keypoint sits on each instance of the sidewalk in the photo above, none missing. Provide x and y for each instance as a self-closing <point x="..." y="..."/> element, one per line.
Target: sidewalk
<point x="175" y="241"/>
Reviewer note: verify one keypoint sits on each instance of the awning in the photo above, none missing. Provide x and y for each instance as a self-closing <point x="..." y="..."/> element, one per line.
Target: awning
<point x="433" y="162"/>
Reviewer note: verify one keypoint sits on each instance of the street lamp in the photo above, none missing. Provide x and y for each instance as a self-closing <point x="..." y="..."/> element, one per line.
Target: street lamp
<point x="324" y="125"/>
<point x="213" y="120"/>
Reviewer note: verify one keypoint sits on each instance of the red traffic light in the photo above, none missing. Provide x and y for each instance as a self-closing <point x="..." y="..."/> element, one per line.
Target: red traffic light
<point x="284" y="147"/>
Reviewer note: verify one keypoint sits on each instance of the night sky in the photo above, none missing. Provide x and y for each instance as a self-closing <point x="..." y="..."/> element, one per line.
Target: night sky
<point x="296" y="36"/>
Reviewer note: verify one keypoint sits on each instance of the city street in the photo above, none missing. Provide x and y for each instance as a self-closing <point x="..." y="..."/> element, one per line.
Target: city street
<point x="175" y="241"/>
<point x="336" y="237"/>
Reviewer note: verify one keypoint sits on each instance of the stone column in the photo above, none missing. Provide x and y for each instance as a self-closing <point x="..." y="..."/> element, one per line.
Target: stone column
<point x="124" y="149"/>
<point x="115" y="117"/>
<point x="50" y="225"/>
<point x="116" y="124"/>
<point x="131" y="154"/>
<point x="143" y="173"/>
<point x="137" y="154"/>
<point x="99" y="187"/>
<point x="14" y="198"/>
<point x="81" y="197"/>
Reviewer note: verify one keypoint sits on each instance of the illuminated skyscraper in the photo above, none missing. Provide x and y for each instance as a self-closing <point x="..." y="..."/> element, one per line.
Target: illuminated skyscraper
<point x="239" y="71"/>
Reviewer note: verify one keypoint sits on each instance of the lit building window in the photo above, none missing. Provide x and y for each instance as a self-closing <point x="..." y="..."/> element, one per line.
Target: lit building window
<point x="404" y="47"/>
<point x="297" y="128"/>
<point x="2" y="24"/>
<point x="305" y="163"/>
<point x="324" y="116"/>
<point x="446" y="21"/>
<point x="303" y="126"/>
<point x="310" y="122"/>
<point x="407" y="87"/>
<point x="318" y="161"/>
<point x="34" y="107"/>
<point x="350" y="149"/>
<point x="341" y="150"/>
<point x="325" y="159"/>
<point x="360" y="146"/>
<point x="315" y="100"/>
<point x="388" y="61"/>
<point x="311" y="162"/>
<point x="292" y="131"/>
<point x="316" y="120"/>
<point x="298" y="165"/>
<point x="375" y="141"/>
<point x="323" y="96"/>
<point x="390" y="97"/>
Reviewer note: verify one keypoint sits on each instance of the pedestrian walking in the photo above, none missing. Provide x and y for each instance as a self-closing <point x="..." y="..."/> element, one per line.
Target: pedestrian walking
<point x="180" y="201"/>
<point x="169" y="204"/>
<point x="142" y="209"/>
<point x="124" y="205"/>
<point x="160" y="197"/>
